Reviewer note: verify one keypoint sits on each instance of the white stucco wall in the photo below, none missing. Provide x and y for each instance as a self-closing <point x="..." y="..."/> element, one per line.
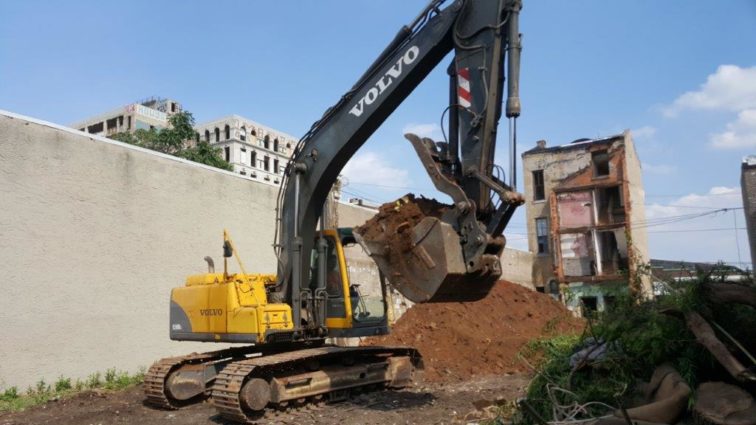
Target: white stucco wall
<point x="95" y="233"/>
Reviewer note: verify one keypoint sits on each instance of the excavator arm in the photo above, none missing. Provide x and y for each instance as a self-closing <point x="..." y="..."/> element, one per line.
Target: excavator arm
<point x="481" y="33"/>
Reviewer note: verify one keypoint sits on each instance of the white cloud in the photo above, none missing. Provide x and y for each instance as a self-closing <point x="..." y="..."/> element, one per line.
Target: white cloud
<point x="730" y="88"/>
<point x="371" y="168"/>
<point x="430" y="130"/>
<point x="661" y="169"/>
<point x="740" y="133"/>
<point x="717" y="197"/>
<point x="645" y="132"/>
<point x="688" y="228"/>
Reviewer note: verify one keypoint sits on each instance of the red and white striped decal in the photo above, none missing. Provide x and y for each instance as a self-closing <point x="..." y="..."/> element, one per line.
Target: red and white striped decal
<point x="463" y="87"/>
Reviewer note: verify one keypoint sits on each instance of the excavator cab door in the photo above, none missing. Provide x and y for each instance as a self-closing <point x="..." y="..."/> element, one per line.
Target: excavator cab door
<point x="351" y="309"/>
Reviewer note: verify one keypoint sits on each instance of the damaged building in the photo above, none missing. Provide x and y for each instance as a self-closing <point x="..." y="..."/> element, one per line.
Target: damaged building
<point x="585" y="215"/>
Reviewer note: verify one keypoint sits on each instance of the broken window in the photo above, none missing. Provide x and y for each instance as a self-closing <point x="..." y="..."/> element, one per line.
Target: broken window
<point x="542" y="235"/>
<point x="207" y="136"/>
<point x="128" y="122"/>
<point x="217" y="134"/>
<point x="112" y="125"/>
<point x="275" y="166"/>
<point x="253" y="159"/>
<point x="610" y="205"/>
<point x="227" y="152"/>
<point x="612" y="251"/>
<point x="600" y="160"/>
<point x="266" y="163"/>
<point x="539" y="190"/>
<point x="243" y="134"/>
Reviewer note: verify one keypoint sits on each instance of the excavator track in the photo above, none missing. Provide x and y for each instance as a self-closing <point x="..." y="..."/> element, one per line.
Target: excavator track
<point x="155" y="378"/>
<point x="227" y="392"/>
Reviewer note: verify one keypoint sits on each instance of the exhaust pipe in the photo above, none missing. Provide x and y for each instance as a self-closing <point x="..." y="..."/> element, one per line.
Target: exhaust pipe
<point x="210" y="264"/>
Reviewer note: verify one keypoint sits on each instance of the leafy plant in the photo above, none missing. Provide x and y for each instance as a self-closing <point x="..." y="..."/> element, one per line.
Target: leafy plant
<point x="173" y="141"/>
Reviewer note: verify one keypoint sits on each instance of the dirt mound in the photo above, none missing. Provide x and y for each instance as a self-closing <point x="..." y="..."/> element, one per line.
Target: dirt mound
<point x="461" y="340"/>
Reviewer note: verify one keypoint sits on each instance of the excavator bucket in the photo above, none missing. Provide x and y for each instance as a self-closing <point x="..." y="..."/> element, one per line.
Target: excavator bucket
<point x="421" y="255"/>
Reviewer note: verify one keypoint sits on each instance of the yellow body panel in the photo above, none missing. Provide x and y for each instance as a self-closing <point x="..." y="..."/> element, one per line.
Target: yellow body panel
<point x="234" y="305"/>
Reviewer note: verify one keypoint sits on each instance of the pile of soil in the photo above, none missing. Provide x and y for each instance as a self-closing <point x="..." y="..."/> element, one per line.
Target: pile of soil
<point x="461" y="340"/>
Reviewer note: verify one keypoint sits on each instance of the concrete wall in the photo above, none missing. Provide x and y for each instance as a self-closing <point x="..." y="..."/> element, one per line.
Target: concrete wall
<point x="517" y="267"/>
<point x="748" y="188"/>
<point x="637" y="220"/>
<point x="95" y="233"/>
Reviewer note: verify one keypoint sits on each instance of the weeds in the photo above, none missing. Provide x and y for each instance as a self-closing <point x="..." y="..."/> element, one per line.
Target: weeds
<point x="640" y="335"/>
<point x="12" y="400"/>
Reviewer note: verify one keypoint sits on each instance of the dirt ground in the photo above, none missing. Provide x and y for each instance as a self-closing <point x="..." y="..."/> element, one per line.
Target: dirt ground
<point x="424" y="403"/>
<point x="472" y="365"/>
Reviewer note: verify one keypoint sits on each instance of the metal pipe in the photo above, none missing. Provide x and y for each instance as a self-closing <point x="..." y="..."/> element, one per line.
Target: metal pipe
<point x="514" y="47"/>
<point x="513" y="153"/>
<point x="210" y="264"/>
<point x="453" y="117"/>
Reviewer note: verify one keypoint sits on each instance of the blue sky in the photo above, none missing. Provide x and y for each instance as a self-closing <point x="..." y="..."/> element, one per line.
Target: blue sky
<point x="680" y="74"/>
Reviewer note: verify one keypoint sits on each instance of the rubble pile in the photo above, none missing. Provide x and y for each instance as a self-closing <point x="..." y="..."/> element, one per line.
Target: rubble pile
<point x="462" y="340"/>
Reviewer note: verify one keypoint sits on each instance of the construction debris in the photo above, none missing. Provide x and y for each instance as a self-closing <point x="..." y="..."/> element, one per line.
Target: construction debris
<point x="723" y="404"/>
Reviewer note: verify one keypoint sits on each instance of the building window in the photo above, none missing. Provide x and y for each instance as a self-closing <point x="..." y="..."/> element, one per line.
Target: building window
<point x="227" y="152"/>
<point x="243" y="134"/>
<point x="253" y="159"/>
<point x="266" y="142"/>
<point x="539" y="191"/>
<point x="196" y="136"/>
<point x="227" y="130"/>
<point x="600" y="161"/>
<point x="207" y="136"/>
<point x="542" y="235"/>
<point x="253" y="132"/>
<point x="266" y="163"/>
<point x="217" y="134"/>
<point x="128" y="122"/>
<point x="275" y="145"/>
<point x="275" y="166"/>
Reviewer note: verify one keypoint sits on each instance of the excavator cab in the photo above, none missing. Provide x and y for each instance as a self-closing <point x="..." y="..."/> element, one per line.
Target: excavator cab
<point x="348" y="311"/>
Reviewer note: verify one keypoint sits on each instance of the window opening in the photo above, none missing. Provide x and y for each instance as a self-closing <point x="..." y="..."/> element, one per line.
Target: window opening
<point x="539" y="191"/>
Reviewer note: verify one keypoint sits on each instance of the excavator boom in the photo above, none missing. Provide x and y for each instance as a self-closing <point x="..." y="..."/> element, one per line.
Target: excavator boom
<point x="457" y="255"/>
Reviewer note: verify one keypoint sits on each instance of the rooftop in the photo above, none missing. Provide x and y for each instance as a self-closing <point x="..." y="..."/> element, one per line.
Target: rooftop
<point x="577" y="144"/>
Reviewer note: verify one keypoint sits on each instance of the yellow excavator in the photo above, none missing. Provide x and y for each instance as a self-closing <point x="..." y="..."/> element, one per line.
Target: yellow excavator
<point x="285" y="319"/>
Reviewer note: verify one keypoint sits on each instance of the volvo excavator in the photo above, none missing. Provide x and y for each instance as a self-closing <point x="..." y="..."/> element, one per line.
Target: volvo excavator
<point x="285" y="319"/>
